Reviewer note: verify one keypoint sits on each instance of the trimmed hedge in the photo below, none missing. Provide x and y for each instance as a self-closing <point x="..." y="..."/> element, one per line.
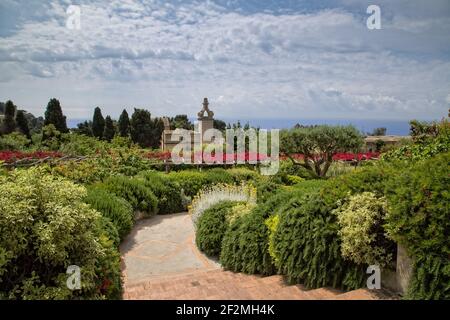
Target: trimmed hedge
<point x="191" y="182"/>
<point x="419" y="219"/>
<point x="211" y="227"/>
<point x="245" y="247"/>
<point x="167" y="191"/>
<point x="307" y="246"/>
<point x="134" y="191"/>
<point x="116" y="209"/>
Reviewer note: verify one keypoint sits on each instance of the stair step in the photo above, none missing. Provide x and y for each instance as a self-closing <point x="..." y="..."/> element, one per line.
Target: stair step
<point x="323" y="293"/>
<point x="359" y="294"/>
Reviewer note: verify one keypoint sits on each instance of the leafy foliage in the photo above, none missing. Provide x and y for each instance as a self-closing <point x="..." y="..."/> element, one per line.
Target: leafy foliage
<point x="44" y="228"/>
<point x="116" y="209"/>
<point x="110" y="131"/>
<point x="8" y="124"/>
<point x="168" y="192"/>
<point x="134" y="191"/>
<point x="308" y="249"/>
<point x="54" y="116"/>
<point x="245" y="247"/>
<point x="419" y="219"/>
<point x="124" y="124"/>
<point x="13" y="142"/>
<point x="319" y="144"/>
<point x="98" y="123"/>
<point x="361" y="220"/>
<point x="429" y="140"/>
<point x="211" y="227"/>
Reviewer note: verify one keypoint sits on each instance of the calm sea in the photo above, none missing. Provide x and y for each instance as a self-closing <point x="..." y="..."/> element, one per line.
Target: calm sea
<point x="394" y="127"/>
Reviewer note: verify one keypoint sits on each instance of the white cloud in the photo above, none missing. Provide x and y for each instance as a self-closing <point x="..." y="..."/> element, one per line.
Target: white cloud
<point x="311" y="63"/>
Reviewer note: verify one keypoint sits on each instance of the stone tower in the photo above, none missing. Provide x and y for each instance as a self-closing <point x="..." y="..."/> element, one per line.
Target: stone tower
<point x="205" y="120"/>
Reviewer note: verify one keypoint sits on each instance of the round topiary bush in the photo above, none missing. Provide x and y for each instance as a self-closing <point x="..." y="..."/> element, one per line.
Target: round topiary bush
<point x="211" y="227"/>
<point x="44" y="228"/>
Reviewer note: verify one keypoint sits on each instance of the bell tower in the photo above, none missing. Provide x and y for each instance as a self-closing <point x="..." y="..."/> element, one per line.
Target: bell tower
<point x="205" y="120"/>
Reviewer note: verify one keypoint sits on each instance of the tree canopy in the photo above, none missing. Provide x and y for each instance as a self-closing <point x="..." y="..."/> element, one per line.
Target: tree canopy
<point x="124" y="124"/>
<point x="54" y="115"/>
<point x="98" y="123"/>
<point x="319" y="144"/>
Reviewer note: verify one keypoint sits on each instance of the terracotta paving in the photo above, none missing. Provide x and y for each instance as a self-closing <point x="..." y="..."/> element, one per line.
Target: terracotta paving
<point x="160" y="261"/>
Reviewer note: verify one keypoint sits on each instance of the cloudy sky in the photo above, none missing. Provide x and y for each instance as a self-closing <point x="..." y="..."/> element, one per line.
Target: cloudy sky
<point x="253" y="58"/>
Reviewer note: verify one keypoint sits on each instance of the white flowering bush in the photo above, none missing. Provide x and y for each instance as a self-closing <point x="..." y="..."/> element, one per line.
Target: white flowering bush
<point x="210" y="196"/>
<point x="361" y="219"/>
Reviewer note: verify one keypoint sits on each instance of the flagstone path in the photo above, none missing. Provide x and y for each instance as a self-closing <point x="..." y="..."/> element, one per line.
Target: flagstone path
<point x="161" y="261"/>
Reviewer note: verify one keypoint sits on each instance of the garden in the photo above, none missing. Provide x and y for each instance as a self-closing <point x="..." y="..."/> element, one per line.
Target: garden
<point x="68" y="198"/>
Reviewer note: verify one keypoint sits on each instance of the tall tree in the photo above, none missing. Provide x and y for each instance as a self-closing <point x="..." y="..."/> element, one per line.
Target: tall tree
<point x="85" y="128"/>
<point x="378" y="132"/>
<point x="181" y="121"/>
<point x="318" y="145"/>
<point x="109" y="132"/>
<point x="98" y="123"/>
<point x="55" y="116"/>
<point x="145" y="131"/>
<point x="22" y="123"/>
<point x="124" y="124"/>
<point x="9" y="123"/>
<point x="220" y="125"/>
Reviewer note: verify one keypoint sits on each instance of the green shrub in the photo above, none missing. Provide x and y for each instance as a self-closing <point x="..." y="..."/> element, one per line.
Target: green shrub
<point x="428" y="140"/>
<point x="46" y="227"/>
<point x="272" y="224"/>
<point x="191" y="182"/>
<point x="245" y="247"/>
<point x="168" y="192"/>
<point x="245" y="244"/>
<point x="116" y="209"/>
<point x="240" y="175"/>
<point x="307" y="246"/>
<point x="14" y="142"/>
<point x="110" y="230"/>
<point x="134" y="191"/>
<point x="211" y="227"/>
<point x="419" y="219"/>
<point x="361" y="219"/>
<point x="81" y="145"/>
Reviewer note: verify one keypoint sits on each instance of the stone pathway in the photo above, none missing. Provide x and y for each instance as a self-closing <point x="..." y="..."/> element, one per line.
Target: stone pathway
<point x="161" y="261"/>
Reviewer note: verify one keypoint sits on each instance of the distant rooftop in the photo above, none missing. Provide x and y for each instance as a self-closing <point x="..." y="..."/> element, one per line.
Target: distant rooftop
<point x="386" y="138"/>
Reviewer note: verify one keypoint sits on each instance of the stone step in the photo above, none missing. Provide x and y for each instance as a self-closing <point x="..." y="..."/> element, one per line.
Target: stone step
<point x="359" y="294"/>
<point x="226" y="285"/>
<point x="323" y="293"/>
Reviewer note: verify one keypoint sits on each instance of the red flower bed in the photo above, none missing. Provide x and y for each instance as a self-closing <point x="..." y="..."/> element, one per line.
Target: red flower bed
<point x="343" y="156"/>
<point x="11" y="156"/>
<point x="247" y="156"/>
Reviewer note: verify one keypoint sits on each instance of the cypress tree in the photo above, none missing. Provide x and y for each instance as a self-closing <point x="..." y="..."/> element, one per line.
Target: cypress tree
<point x="9" y="124"/>
<point x="124" y="124"/>
<point x="109" y="132"/>
<point x="98" y="123"/>
<point x="22" y="123"/>
<point x="141" y="127"/>
<point x="54" y="115"/>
